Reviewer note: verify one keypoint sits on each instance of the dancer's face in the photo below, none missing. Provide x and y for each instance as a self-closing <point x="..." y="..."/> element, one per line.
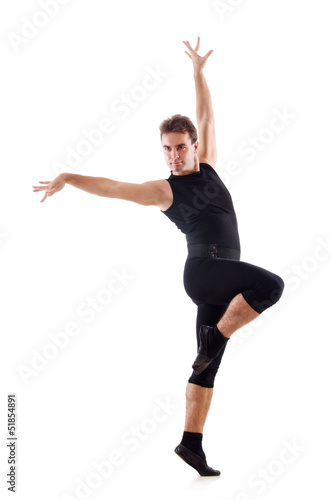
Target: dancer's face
<point x="180" y="155"/>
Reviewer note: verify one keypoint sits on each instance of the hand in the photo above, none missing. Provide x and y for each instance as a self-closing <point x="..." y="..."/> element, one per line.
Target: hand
<point x="198" y="61"/>
<point x="51" y="187"/>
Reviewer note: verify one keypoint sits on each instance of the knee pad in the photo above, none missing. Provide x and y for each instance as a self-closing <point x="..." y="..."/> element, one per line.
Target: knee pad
<point x="204" y="379"/>
<point x="207" y="377"/>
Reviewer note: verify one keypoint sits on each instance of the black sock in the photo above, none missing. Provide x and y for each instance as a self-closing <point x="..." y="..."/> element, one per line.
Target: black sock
<point x="193" y="441"/>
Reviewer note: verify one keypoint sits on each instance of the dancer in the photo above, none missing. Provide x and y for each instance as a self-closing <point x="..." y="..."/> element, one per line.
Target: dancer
<point x="228" y="293"/>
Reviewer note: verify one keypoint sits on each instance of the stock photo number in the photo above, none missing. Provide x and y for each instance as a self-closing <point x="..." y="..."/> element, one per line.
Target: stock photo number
<point x="12" y="438"/>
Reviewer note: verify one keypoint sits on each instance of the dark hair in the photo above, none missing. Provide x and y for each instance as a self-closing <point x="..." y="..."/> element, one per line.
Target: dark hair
<point x="179" y="123"/>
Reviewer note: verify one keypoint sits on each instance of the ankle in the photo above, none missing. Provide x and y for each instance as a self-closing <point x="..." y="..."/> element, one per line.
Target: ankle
<point x="193" y="442"/>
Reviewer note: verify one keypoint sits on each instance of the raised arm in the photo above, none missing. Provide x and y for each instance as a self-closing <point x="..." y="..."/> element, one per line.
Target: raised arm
<point x="207" y="151"/>
<point x="147" y="193"/>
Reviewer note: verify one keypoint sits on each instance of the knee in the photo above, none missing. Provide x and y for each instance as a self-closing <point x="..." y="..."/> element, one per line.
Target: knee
<point x="276" y="288"/>
<point x="266" y="294"/>
<point x="204" y="379"/>
<point x="271" y="292"/>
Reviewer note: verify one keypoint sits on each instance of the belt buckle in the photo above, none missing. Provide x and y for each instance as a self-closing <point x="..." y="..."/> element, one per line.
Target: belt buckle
<point x="213" y="250"/>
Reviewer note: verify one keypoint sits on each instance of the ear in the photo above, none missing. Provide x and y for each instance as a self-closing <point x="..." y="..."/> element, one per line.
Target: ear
<point x="196" y="146"/>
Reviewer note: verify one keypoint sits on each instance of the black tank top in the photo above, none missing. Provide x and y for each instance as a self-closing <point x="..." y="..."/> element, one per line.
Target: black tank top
<point x="202" y="208"/>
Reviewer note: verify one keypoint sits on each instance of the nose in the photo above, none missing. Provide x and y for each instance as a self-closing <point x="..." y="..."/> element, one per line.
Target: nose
<point x="174" y="155"/>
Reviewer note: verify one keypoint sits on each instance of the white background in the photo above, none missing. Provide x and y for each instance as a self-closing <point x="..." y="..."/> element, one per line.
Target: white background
<point x="272" y="390"/>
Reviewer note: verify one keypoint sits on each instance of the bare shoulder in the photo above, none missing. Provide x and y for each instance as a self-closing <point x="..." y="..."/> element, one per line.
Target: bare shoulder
<point x="162" y="191"/>
<point x="209" y="161"/>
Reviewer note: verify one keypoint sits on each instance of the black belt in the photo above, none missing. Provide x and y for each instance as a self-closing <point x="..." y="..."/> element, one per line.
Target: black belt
<point x="213" y="251"/>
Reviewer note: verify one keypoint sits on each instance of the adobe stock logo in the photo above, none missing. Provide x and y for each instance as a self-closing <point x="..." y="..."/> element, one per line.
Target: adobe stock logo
<point x="294" y="279"/>
<point x="3" y="236"/>
<point x="223" y="7"/>
<point x="86" y="312"/>
<point x="251" y="146"/>
<point x="121" y="108"/>
<point x="270" y="473"/>
<point x="254" y="145"/>
<point x="31" y="27"/>
<point x="131" y="440"/>
<point x="200" y="200"/>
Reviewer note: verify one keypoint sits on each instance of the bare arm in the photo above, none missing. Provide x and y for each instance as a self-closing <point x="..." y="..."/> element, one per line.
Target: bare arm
<point x="204" y="110"/>
<point x="147" y="193"/>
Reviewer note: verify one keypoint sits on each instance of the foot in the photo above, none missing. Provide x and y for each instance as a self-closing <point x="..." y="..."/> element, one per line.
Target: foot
<point x="196" y="461"/>
<point x="211" y="344"/>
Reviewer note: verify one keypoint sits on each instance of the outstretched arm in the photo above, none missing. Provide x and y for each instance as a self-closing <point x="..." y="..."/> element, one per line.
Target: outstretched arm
<point x="147" y="193"/>
<point x="204" y="110"/>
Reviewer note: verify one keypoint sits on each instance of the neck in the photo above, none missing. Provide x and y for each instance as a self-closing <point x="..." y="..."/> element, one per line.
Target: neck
<point x="195" y="168"/>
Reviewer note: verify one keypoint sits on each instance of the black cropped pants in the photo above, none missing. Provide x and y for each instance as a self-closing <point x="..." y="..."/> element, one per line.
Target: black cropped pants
<point x="212" y="282"/>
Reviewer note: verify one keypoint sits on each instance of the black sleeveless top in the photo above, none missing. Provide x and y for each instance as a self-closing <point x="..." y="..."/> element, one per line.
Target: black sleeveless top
<point x="202" y="208"/>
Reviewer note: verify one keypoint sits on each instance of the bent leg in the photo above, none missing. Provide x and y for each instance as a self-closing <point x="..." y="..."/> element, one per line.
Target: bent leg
<point x="249" y="304"/>
<point x="248" y="289"/>
<point x="218" y="281"/>
<point x="238" y="314"/>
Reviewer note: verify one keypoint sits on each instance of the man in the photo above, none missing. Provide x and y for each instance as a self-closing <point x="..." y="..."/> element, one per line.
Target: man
<point x="228" y="293"/>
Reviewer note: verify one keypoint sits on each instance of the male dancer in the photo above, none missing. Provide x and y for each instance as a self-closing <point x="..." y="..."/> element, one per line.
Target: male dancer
<point x="228" y="293"/>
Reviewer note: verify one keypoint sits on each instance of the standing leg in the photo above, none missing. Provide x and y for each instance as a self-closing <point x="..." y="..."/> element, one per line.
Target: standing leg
<point x="198" y="398"/>
<point x="198" y="401"/>
<point x="199" y="393"/>
<point x="199" y="389"/>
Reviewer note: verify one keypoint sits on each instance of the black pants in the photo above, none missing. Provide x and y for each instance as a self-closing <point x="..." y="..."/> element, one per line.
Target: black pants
<point x="212" y="282"/>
